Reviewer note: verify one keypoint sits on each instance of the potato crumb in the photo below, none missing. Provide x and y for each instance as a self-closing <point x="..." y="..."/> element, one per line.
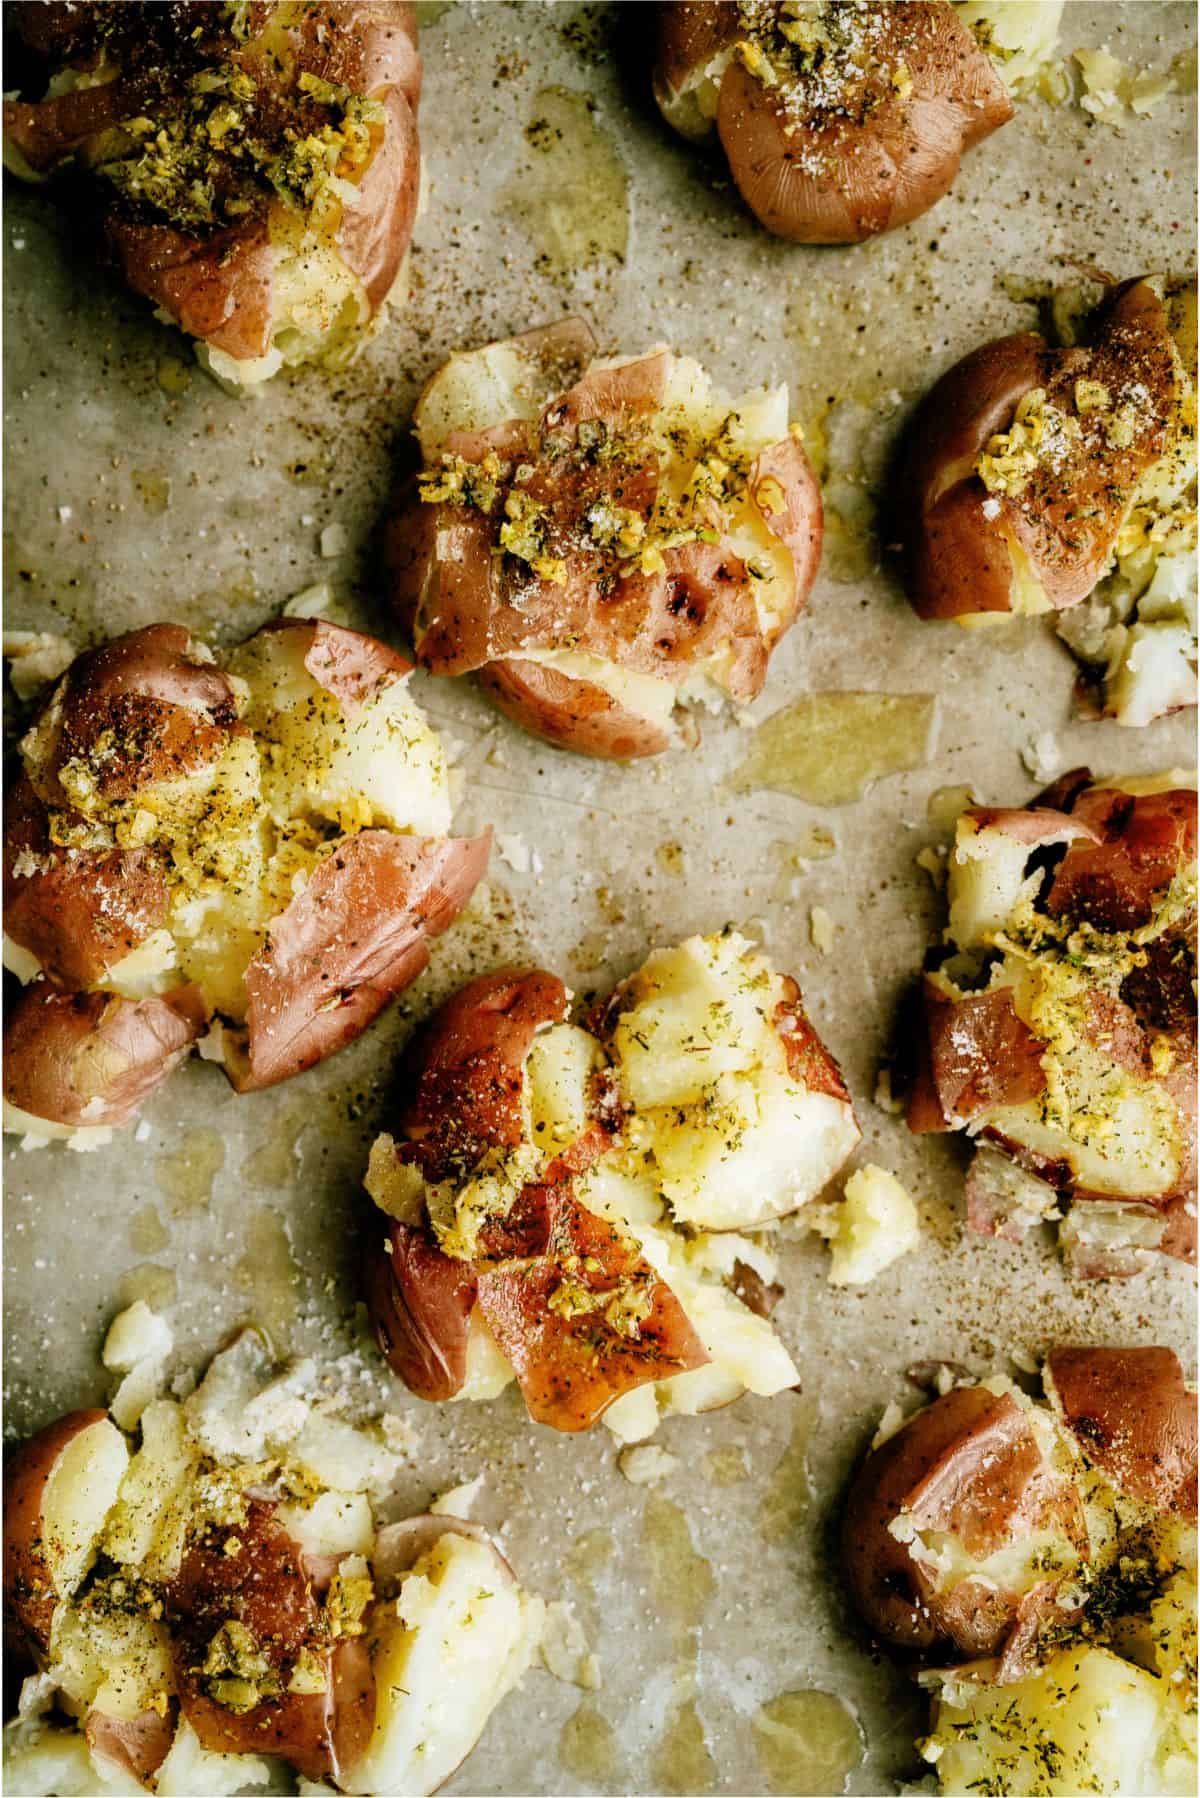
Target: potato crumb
<point x="873" y="1226"/>
<point x="646" y="1464"/>
<point x="821" y="929"/>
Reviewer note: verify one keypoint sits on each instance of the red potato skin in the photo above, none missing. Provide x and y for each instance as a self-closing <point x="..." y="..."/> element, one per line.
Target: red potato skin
<point x="1139" y="844"/>
<point x="818" y="172"/>
<point x="1134" y="1418"/>
<point x="466" y="611"/>
<point x="956" y="560"/>
<point x="357" y="935"/>
<point x="80" y="912"/>
<point x="420" y="1302"/>
<point x="137" y="1745"/>
<point x="351" y="667"/>
<point x="257" y="1575"/>
<point x="171" y="713"/>
<point x="218" y="287"/>
<point x="808" y="1060"/>
<point x="968" y="1465"/>
<point x="568" y="1371"/>
<point x="464" y="1074"/>
<point x="85" y="1060"/>
<point x="975" y="1053"/>
<point x="30" y="1598"/>
<point x="571" y="713"/>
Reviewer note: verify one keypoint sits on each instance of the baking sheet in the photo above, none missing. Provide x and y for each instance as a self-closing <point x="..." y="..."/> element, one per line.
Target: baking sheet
<point x="137" y="491"/>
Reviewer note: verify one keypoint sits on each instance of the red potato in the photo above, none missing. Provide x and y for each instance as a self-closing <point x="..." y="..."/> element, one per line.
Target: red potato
<point x="256" y="1576"/>
<point x="586" y="551"/>
<point x="1050" y="1049"/>
<point x="271" y="835"/>
<point x="971" y="1472"/>
<point x="1133" y="1417"/>
<point x="58" y="1490"/>
<point x="834" y="130"/>
<point x="1037" y="535"/>
<point x="89" y="1060"/>
<point x="264" y="258"/>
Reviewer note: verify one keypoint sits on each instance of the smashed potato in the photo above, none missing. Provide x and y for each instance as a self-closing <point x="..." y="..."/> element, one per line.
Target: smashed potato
<point x="576" y="1205"/>
<point x="255" y="168"/>
<point x="604" y="543"/>
<point x="838" y="121"/>
<point x="1040" y="1560"/>
<point x="203" y="1602"/>
<point x="1058" y="1025"/>
<point x="263" y="842"/>
<point x="1062" y="479"/>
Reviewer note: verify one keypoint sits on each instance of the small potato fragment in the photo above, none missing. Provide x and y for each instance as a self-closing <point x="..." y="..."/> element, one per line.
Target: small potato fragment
<point x="58" y="1491"/>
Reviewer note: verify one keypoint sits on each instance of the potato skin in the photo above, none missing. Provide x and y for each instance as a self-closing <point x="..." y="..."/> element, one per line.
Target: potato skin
<point x="358" y="934"/>
<point x="79" y="911"/>
<point x="86" y="1060"/>
<point x="957" y="557"/>
<point x="218" y="285"/>
<point x="30" y="1597"/>
<point x="968" y="1464"/>
<point x="419" y="1302"/>
<point x="1134" y="1418"/>
<point x="259" y="1575"/>
<point x="464" y="1072"/>
<point x="821" y="172"/>
<point x="575" y="714"/>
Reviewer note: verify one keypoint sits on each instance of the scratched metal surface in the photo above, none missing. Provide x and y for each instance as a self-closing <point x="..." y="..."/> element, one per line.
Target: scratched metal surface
<point x="716" y="1593"/>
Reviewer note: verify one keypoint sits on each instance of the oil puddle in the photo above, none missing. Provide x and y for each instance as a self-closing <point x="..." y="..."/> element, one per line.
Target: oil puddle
<point x="186" y="1175"/>
<point x="571" y="192"/>
<point x="808" y="1744"/>
<point x="784" y="1504"/>
<point x="681" y="1762"/>
<point x="268" y="1274"/>
<point x="587" y="1747"/>
<point x="828" y="748"/>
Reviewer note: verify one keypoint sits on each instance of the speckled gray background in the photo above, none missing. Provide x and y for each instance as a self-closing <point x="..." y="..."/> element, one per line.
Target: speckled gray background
<point x="137" y="491"/>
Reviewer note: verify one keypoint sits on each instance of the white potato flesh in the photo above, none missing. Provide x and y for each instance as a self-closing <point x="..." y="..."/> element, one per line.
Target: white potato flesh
<point x="374" y="764"/>
<point x="36" y="1132"/>
<point x="1021" y="35"/>
<point x="875" y="1224"/>
<point x="334" y="1523"/>
<point x="147" y="1524"/>
<point x="477" y="389"/>
<point x="757" y="1149"/>
<point x="985" y="881"/>
<point x="341" y="1456"/>
<point x="1087" y="1722"/>
<point x="461" y="1636"/>
<point x="79" y="1493"/>
<point x="559" y="1069"/>
<point x="134" y="1334"/>
<point x="698" y="1010"/>
<point x="114" y="1661"/>
<point x="150" y="968"/>
<point x="488" y="1370"/>
<point x="21" y="962"/>
<point x="1154" y="672"/>
<point x="190" y="1770"/>
<point x="41" y="1761"/>
<point x="735" y="1139"/>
